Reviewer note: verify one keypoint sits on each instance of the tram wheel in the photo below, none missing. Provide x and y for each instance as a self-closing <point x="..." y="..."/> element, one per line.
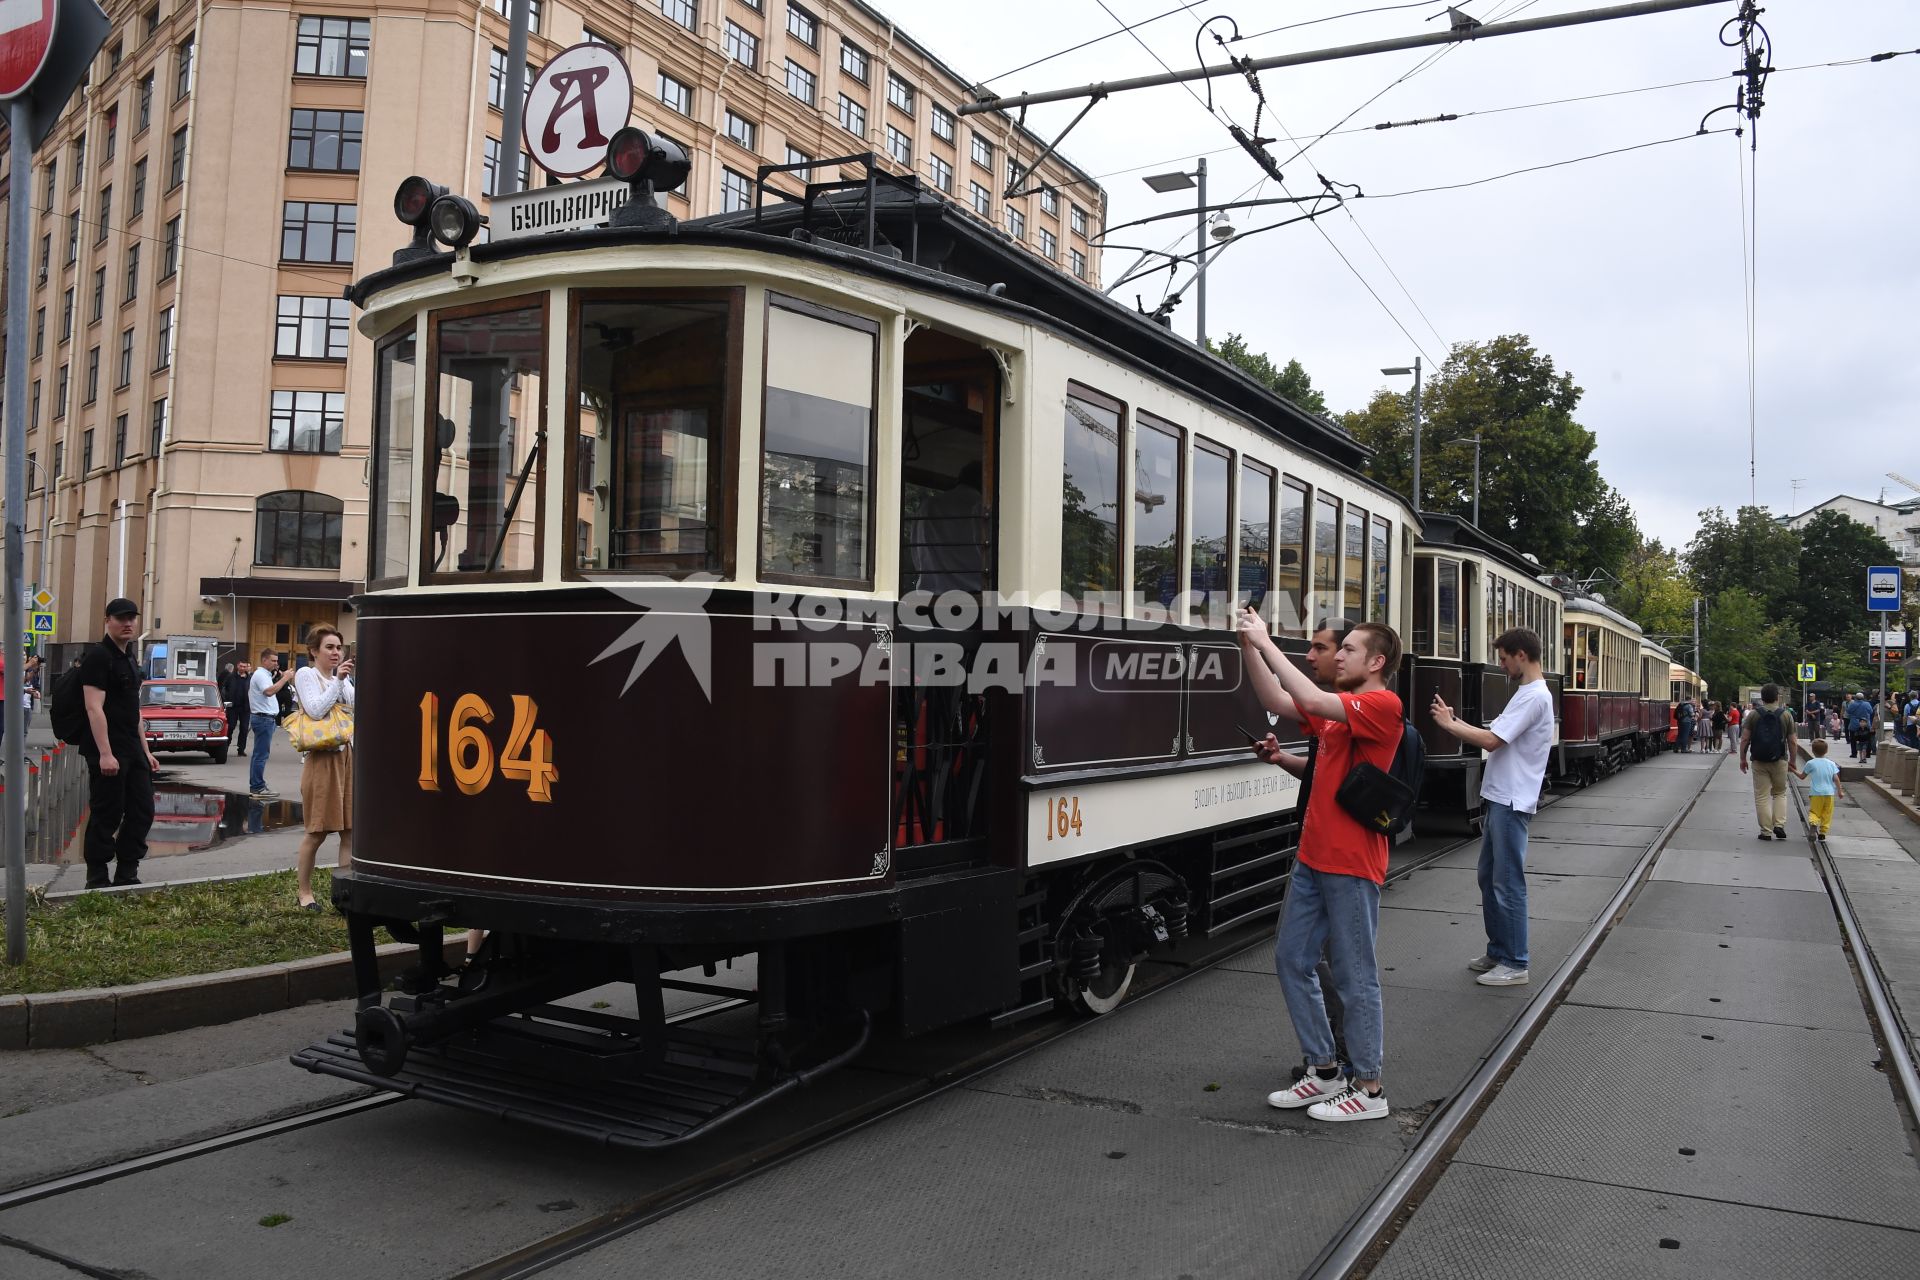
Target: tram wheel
<point x="1101" y="974"/>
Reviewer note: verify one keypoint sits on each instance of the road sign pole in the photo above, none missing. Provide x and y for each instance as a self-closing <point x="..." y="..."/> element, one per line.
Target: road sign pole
<point x="13" y="812"/>
<point x="1884" y="641"/>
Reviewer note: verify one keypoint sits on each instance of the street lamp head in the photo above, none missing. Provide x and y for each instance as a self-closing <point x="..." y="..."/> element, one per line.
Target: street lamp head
<point x="1222" y="230"/>
<point x="1396" y="372"/>
<point x="1165" y="182"/>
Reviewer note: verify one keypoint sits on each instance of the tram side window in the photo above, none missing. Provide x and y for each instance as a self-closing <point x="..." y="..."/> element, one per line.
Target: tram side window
<point x="1423" y="605"/>
<point x="1496" y="606"/>
<point x="1090" y="503"/>
<point x="390" y="481"/>
<point x="1356" y="564"/>
<point x="1156" y="519"/>
<point x="815" y="490"/>
<point x="1211" y="604"/>
<point x="1326" y="556"/>
<point x="656" y="397"/>
<point x="1256" y="535"/>
<point x="488" y="436"/>
<point x="1449" y="609"/>
<point x="1381" y="558"/>
<point x="1290" y="574"/>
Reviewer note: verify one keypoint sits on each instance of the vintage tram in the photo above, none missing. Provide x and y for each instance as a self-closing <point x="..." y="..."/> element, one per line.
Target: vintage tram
<point x="833" y="584"/>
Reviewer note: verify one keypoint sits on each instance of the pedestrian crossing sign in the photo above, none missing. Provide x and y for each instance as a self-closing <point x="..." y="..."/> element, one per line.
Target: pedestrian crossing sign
<point x="1806" y="672"/>
<point x="42" y="624"/>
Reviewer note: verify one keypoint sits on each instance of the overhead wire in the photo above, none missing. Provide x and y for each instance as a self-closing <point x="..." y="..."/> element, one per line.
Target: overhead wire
<point x="49" y="215"/>
<point x="1553" y="164"/>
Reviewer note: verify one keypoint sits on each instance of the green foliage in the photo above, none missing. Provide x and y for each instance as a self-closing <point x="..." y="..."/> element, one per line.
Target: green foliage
<point x="1831" y="594"/>
<point x="1291" y="381"/>
<point x="1746" y="643"/>
<point x="1540" y="488"/>
<point x="1651" y="589"/>
<point x="1752" y="552"/>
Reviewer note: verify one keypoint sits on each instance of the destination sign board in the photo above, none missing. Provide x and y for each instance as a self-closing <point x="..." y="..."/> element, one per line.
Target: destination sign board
<point x="571" y="206"/>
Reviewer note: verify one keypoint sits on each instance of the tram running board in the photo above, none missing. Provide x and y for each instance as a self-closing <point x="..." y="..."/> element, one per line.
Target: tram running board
<point x="704" y="1082"/>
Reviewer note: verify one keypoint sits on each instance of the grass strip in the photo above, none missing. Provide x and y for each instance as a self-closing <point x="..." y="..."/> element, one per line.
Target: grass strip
<point x="113" y="939"/>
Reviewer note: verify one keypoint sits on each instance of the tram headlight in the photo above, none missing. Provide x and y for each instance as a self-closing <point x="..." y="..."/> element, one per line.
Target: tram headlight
<point x="454" y="221"/>
<point x="411" y="204"/>
<point x="647" y="163"/>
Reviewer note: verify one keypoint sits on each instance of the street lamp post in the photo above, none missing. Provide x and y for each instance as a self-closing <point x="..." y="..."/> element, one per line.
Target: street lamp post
<point x="1476" y="479"/>
<point x="1180" y="181"/>
<point x="1400" y="371"/>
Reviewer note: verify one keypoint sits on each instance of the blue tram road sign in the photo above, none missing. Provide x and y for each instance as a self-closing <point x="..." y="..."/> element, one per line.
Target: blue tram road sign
<point x="1883" y="589"/>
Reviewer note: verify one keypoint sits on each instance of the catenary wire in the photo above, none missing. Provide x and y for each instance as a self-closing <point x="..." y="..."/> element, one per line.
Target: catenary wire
<point x="49" y="214"/>
<point x="1537" y="168"/>
<point x="1126" y="29"/>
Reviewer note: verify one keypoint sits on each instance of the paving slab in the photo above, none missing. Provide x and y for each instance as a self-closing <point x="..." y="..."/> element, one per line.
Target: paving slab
<point x="1495" y="1224"/>
<point x="1727" y="912"/>
<point x="1430" y="949"/>
<point x="1587" y="833"/>
<point x="1745" y="839"/>
<point x="1548" y="858"/>
<point x="1743" y="870"/>
<point x="1869" y="878"/>
<point x="16" y="1263"/>
<point x="1877" y="848"/>
<point x="1807" y="984"/>
<point x="1457" y="890"/>
<point x="1583" y="1105"/>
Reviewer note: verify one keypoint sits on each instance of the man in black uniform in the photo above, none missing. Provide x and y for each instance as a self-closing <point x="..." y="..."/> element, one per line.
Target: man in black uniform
<point x="120" y="769"/>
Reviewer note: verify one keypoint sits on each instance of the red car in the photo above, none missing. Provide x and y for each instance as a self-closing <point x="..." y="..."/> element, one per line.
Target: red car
<point x="184" y="715"/>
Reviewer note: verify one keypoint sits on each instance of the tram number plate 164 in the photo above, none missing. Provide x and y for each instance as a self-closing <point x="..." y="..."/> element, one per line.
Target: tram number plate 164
<point x="1063" y="817"/>
<point x="527" y="756"/>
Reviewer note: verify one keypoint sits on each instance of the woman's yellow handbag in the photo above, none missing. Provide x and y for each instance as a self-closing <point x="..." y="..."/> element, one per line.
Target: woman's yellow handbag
<point x="329" y="732"/>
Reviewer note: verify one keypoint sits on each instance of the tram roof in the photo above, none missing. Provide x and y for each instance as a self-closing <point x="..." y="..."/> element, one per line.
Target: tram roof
<point x="1443" y="532"/>
<point x="959" y="256"/>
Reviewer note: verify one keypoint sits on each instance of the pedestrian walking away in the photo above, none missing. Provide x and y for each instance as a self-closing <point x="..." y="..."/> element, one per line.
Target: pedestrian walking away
<point x="322" y="691"/>
<point x="1333" y="898"/>
<point x="120" y="769"/>
<point x="1517" y="744"/>
<point x="263" y="706"/>
<point x="1823" y="787"/>
<point x="1321" y="650"/>
<point x="1719" y="723"/>
<point x="1772" y="747"/>
<point x="1859" y="714"/>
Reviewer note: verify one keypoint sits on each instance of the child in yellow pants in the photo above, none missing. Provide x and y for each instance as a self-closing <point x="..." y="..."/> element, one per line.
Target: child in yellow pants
<point x="1823" y="786"/>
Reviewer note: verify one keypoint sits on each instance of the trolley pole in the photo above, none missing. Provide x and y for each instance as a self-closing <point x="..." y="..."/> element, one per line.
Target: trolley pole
<point x="13" y="815"/>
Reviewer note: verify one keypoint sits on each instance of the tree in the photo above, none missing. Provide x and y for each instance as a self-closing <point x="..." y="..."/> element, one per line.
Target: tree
<point x="1751" y="552"/>
<point x="1654" y="592"/>
<point x="1830" y="596"/>
<point x="1744" y="645"/>
<point x="1540" y="488"/>
<point x="1291" y="382"/>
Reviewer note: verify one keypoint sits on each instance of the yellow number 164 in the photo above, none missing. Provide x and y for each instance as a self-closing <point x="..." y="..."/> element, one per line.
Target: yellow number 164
<point x="527" y="757"/>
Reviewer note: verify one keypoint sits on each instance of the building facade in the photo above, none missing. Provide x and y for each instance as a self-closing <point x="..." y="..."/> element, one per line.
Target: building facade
<point x="199" y="402"/>
<point x="1898" y="523"/>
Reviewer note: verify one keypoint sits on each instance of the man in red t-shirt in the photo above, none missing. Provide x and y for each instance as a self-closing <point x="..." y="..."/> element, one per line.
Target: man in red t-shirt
<point x="1333" y="899"/>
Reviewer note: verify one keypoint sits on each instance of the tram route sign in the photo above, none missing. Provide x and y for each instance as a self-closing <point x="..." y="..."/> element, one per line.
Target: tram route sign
<point x="571" y="206"/>
<point x="581" y="98"/>
<point x="1883" y="589"/>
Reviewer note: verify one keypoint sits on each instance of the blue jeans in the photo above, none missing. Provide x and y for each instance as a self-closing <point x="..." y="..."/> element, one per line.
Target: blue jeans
<point x="1503" y="883"/>
<point x="262" y="729"/>
<point x="1340" y="915"/>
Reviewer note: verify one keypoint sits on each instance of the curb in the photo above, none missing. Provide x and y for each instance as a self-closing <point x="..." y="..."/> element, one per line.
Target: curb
<point x="1899" y="799"/>
<point x="155" y="886"/>
<point x="71" y="1019"/>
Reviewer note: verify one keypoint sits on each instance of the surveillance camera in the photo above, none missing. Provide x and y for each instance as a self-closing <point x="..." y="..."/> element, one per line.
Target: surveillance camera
<point x="209" y="599"/>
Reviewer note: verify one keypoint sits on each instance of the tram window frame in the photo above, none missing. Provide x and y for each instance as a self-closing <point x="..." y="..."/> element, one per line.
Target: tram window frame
<point x="1496" y="612"/>
<point x="1122" y="522"/>
<point x="380" y="453"/>
<point x="1255" y="477"/>
<point x="864" y="324"/>
<point x="1446" y="636"/>
<point x="1140" y="605"/>
<point x="1423" y="595"/>
<point x="1219" y="616"/>
<point x="423" y="537"/>
<point x="1301" y="624"/>
<point x="1327" y="601"/>
<point x="1353" y="594"/>
<point x="725" y="463"/>
<point x="1379" y="569"/>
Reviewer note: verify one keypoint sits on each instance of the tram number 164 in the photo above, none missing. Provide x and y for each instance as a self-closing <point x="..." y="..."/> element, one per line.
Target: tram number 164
<point x="527" y="757"/>
<point x="1063" y="817"/>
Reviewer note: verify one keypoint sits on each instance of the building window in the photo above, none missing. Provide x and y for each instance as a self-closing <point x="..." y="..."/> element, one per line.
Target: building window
<point x="177" y="161"/>
<point x="120" y="440"/>
<point x="310" y="328"/>
<point x="294" y="529"/>
<point x="60" y="395"/>
<point x="163" y="343"/>
<point x="853" y="60"/>
<point x="66" y="316"/>
<point x="1016" y="223"/>
<point x="899" y="93"/>
<point x="139" y="205"/>
<point x="332" y="47"/>
<point x="39" y="332"/>
<point x="112" y="128"/>
<point x="1050" y="202"/>
<point x="86" y="452"/>
<point x="801" y="83"/>
<point x="900" y="146"/>
<point x="157" y="427"/>
<point x="676" y="95"/>
<point x="741" y="130"/>
<point x="683" y="12"/>
<point x="123" y="376"/>
<point x="106" y="215"/>
<point x="183" y="69"/>
<point x="1049" y="245"/>
<point x="73" y="238"/>
<point x="46" y="256"/>
<point x="853" y="116"/>
<point x="982" y="152"/>
<point x="307" y="421"/>
<point x="314" y="231"/>
<point x="98" y="306"/>
<point x="131" y="287"/>
<point x="79" y="161"/>
<point x="942" y="123"/>
<point x="982" y="200"/>
<point x="497" y="79"/>
<point x="490" y="168"/>
<point x="533" y="12"/>
<point x="1078" y="261"/>
<point x="742" y="45"/>
<point x="170" y="253"/>
<point x="1078" y="220"/>
<point x="736" y="191"/>
<point x="325" y="140"/>
<point x="803" y="26"/>
<point x="150" y="24"/>
<point x="33" y="416"/>
<point x="93" y="375"/>
<point x="590" y="36"/>
<point x="942" y="173"/>
<point x="144" y="116"/>
<point x="797" y="156"/>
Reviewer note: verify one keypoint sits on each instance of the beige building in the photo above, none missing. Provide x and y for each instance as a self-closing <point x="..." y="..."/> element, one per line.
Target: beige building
<point x="199" y="401"/>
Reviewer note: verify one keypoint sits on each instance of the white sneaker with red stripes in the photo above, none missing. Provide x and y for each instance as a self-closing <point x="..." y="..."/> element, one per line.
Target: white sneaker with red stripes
<point x="1306" y="1091"/>
<point x="1351" y="1103"/>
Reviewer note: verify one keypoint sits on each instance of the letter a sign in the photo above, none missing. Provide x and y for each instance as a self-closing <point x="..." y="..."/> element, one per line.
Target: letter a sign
<point x="580" y="100"/>
<point x="26" y="37"/>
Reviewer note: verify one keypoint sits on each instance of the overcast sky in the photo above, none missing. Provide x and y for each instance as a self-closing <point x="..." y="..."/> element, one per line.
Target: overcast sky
<point x="1626" y="270"/>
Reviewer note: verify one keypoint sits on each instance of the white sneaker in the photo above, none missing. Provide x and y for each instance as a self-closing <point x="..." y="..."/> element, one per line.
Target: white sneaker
<point x="1351" y="1103"/>
<point x="1503" y="975"/>
<point x="1306" y="1092"/>
<point x="1480" y="964"/>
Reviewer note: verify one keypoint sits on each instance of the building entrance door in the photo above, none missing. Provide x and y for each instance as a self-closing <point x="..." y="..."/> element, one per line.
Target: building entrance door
<point x="282" y="625"/>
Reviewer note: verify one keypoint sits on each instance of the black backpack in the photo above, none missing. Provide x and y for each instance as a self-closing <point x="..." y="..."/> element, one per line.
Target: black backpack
<point x="1385" y="802"/>
<point x="67" y="709"/>
<point x="1769" y="740"/>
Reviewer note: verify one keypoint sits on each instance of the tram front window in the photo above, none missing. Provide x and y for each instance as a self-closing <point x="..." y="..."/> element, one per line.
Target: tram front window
<point x="485" y="439"/>
<point x="656" y="391"/>
<point x="391" y="476"/>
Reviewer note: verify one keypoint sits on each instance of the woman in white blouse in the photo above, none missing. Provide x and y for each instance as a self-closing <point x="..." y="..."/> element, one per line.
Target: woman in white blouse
<point x="326" y="780"/>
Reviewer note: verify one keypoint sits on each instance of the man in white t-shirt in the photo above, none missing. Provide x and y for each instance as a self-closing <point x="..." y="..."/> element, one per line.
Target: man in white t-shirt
<point x="1516" y="743"/>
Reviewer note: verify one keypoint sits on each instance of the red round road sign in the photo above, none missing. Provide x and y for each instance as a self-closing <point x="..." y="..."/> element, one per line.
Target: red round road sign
<point x="26" y="37"/>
